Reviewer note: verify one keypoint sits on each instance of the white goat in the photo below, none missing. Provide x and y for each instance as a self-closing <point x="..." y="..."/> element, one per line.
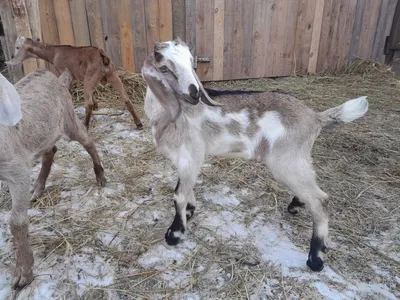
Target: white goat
<point x="47" y="114"/>
<point x="270" y="127"/>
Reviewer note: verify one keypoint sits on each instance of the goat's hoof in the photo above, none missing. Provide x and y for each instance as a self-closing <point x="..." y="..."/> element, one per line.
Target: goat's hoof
<point x="189" y="211"/>
<point x="139" y="126"/>
<point x="316" y="265"/>
<point x="23" y="276"/>
<point x="324" y="249"/>
<point x="295" y="205"/>
<point x="171" y="238"/>
<point x="102" y="181"/>
<point x="95" y="106"/>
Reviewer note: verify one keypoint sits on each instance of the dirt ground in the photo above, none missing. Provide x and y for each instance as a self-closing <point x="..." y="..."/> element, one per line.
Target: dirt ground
<point x="93" y="243"/>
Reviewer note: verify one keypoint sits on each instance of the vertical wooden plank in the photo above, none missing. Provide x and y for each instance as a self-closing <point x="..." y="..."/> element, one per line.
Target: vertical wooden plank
<point x="111" y="31"/>
<point x="237" y="43"/>
<point x="316" y="36"/>
<point x="247" y="39"/>
<point x="259" y="32"/>
<point x="369" y="22"/>
<point x="34" y="21"/>
<point x="64" y="22"/>
<point x="345" y="35"/>
<point x="10" y="31"/>
<point x="356" y="31"/>
<point x="165" y="16"/>
<point x="191" y="25"/>
<point x="290" y="36"/>
<point x="333" y="41"/>
<point x="325" y="36"/>
<point x="304" y="29"/>
<point x="95" y="24"/>
<point x="23" y="27"/>
<point x="178" y="19"/>
<point x="205" y="37"/>
<point x="389" y="21"/>
<point x="267" y="49"/>
<point x="228" y="38"/>
<point x="152" y="23"/>
<point x="80" y="22"/>
<point x="218" y="57"/>
<point x="49" y="27"/>
<point x="124" y="10"/>
<point x="278" y="37"/>
<point x="139" y="33"/>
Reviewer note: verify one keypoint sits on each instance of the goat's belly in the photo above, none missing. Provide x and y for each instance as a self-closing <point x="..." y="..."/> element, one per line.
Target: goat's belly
<point x="229" y="146"/>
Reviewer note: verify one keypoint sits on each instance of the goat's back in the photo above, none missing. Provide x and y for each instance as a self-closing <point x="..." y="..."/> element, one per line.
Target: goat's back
<point x="42" y="116"/>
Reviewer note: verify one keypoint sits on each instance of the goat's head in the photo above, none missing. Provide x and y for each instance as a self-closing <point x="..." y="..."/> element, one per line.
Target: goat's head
<point x="23" y="46"/>
<point x="169" y="74"/>
<point x="10" y="103"/>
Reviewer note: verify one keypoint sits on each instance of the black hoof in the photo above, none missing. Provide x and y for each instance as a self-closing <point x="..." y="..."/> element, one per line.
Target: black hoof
<point x="139" y="126"/>
<point x="295" y="205"/>
<point x="189" y="211"/>
<point x="316" y="265"/>
<point x="171" y="239"/>
<point x="324" y="249"/>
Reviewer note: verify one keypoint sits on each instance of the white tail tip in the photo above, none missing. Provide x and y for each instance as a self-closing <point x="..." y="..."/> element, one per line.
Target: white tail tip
<point x="354" y="109"/>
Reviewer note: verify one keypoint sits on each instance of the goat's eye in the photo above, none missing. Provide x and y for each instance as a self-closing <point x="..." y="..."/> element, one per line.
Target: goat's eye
<point x="164" y="69"/>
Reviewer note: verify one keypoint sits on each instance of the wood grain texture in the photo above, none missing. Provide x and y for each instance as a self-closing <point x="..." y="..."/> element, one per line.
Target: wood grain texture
<point x="165" y="19"/>
<point x="228" y="38"/>
<point x="152" y="23"/>
<point x="346" y="33"/>
<point x="266" y="62"/>
<point x="191" y="25"/>
<point x="111" y="31"/>
<point x="80" y="22"/>
<point x="337" y="12"/>
<point x="139" y="34"/>
<point x="23" y="28"/>
<point x="64" y="22"/>
<point x="356" y="31"/>
<point x="179" y="19"/>
<point x="95" y="24"/>
<point x="316" y="36"/>
<point x="126" y="34"/>
<point x="238" y="36"/>
<point x="218" y="55"/>
<point x="10" y="32"/>
<point x="290" y="37"/>
<point x="278" y="37"/>
<point x="259" y="32"/>
<point x="247" y="39"/>
<point x="325" y="39"/>
<point x="34" y="21"/>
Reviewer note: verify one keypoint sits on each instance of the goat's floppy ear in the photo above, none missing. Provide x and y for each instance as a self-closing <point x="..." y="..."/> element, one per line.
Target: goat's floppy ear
<point x="10" y="103"/>
<point x="161" y="89"/>
<point x="204" y="96"/>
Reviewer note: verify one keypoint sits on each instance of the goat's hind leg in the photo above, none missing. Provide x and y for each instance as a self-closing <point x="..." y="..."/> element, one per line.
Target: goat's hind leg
<point x="117" y="84"/>
<point x="92" y="78"/>
<point x="40" y="184"/>
<point x="75" y="131"/>
<point x="295" y="205"/>
<point x="308" y="192"/>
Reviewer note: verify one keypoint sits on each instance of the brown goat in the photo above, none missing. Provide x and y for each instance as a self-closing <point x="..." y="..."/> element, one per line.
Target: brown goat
<point x="47" y="115"/>
<point x="89" y="65"/>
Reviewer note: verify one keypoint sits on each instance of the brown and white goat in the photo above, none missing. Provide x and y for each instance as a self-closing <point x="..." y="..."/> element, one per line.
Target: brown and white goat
<point x="269" y="127"/>
<point x="89" y="65"/>
<point x="47" y="114"/>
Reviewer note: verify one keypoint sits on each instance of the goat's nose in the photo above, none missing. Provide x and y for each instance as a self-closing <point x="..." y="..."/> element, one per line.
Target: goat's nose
<point x="12" y="56"/>
<point x="194" y="92"/>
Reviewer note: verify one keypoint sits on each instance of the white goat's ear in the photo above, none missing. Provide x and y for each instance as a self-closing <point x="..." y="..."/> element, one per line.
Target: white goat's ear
<point x="204" y="96"/>
<point x="10" y="103"/>
<point x="161" y="89"/>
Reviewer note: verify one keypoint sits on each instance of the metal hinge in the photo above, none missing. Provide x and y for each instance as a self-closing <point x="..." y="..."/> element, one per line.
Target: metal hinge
<point x="200" y="59"/>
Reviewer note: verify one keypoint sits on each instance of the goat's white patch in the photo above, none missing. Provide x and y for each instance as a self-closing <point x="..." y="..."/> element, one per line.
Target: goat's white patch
<point x="354" y="109"/>
<point x="10" y="103"/>
<point x="271" y="127"/>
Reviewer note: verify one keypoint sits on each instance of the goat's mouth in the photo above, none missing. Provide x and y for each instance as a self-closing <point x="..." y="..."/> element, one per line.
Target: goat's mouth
<point x="190" y="99"/>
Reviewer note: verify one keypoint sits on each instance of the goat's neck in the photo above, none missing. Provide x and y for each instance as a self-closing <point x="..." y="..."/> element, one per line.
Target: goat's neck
<point x="45" y="52"/>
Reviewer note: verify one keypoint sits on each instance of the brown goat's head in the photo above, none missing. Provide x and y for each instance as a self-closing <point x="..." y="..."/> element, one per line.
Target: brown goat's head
<point x="23" y="46"/>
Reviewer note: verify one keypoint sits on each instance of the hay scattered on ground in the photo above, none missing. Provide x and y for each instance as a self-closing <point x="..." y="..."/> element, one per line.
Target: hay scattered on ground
<point x="94" y="234"/>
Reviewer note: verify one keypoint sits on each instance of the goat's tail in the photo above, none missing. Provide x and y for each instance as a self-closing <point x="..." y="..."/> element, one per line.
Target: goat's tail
<point x="106" y="59"/>
<point x="345" y="113"/>
<point x="65" y="78"/>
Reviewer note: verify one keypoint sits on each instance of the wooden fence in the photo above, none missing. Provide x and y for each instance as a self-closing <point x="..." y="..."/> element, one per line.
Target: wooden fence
<point x="241" y="38"/>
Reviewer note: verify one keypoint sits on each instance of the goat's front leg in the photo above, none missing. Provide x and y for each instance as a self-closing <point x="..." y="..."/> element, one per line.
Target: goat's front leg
<point x="185" y="201"/>
<point x="92" y="78"/>
<point x="40" y="184"/>
<point x="19" y="222"/>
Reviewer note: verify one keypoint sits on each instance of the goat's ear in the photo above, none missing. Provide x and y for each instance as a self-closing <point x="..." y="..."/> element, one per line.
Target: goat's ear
<point x="10" y="103"/>
<point x="204" y="96"/>
<point x="161" y="89"/>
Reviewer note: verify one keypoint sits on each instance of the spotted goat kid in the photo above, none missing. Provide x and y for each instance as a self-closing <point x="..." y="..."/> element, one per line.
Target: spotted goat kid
<point x="270" y="127"/>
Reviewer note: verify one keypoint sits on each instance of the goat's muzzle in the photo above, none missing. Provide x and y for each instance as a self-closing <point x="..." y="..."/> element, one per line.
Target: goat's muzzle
<point x="194" y="93"/>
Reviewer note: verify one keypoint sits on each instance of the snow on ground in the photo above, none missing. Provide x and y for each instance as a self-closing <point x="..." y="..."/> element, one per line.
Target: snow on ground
<point x="83" y="238"/>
